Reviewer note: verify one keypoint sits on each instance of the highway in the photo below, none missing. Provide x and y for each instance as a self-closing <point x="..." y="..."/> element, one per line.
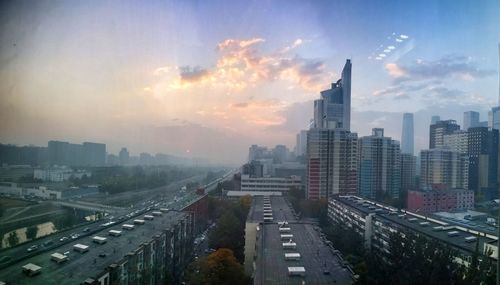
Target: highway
<point x="168" y="196"/>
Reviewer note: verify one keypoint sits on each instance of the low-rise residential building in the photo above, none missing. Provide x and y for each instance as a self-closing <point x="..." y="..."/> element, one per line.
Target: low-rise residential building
<point x="375" y="222"/>
<point x="279" y="249"/>
<point x="274" y="184"/>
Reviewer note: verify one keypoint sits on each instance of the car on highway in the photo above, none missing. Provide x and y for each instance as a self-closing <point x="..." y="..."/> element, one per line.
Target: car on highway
<point x="32" y="248"/>
<point x="86" y="230"/>
<point x="4" y="259"/>
<point x="48" y="243"/>
<point x="63" y="239"/>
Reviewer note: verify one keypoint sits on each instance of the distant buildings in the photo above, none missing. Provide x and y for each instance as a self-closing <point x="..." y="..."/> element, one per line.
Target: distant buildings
<point x="440" y="200"/>
<point x="379" y="166"/>
<point x="407" y="134"/>
<point x="59" y="174"/>
<point x="124" y="156"/>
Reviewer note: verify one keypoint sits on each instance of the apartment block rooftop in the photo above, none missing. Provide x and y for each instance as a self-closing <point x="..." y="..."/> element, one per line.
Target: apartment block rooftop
<point x="87" y="256"/>
<point x="291" y="251"/>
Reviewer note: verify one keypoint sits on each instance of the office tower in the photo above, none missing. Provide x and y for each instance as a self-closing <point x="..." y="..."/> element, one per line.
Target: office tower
<point x="408" y="172"/>
<point x="331" y="162"/>
<point x="94" y="154"/>
<point x="471" y="119"/>
<point x="301" y="146"/>
<point x="407" y="134"/>
<point x="333" y="109"/>
<point x="379" y="166"/>
<point x="124" y="156"/>
<point x="435" y="119"/>
<point x="441" y="168"/>
<point x="439" y="129"/>
<point x="483" y="160"/>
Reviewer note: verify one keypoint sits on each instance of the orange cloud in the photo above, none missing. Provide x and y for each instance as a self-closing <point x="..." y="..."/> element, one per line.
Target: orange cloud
<point x="395" y="70"/>
<point x="240" y="64"/>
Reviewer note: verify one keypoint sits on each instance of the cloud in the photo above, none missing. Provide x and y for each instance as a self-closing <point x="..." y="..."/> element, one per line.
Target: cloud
<point x="193" y="74"/>
<point x="240" y="64"/>
<point x="394" y="70"/>
<point x="456" y="67"/>
<point x="403" y="36"/>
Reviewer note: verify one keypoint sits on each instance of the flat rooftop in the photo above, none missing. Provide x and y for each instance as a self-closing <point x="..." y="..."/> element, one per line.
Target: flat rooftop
<point x="81" y="266"/>
<point x="280" y="209"/>
<point x="322" y="263"/>
<point x="367" y="206"/>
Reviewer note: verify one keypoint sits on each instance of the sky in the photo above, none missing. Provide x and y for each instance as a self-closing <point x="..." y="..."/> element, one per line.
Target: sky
<point x="209" y="78"/>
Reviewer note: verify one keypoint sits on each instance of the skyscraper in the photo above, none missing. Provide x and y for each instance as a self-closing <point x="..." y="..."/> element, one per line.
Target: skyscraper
<point x="471" y="119"/>
<point x="301" y="146"/>
<point x="407" y="134"/>
<point x="439" y="129"/>
<point x="435" y="119"/>
<point x="331" y="163"/>
<point x="379" y="166"/>
<point x="408" y="172"/>
<point x="333" y="109"/>
<point x="483" y="159"/>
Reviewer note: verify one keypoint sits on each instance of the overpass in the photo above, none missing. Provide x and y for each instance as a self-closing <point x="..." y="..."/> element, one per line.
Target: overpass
<point x="88" y="206"/>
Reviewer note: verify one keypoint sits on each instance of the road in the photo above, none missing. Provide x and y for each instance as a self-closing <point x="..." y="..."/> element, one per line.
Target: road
<point x="167" y="196"/>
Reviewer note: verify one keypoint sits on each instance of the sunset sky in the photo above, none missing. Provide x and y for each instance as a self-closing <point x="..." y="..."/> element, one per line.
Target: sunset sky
<point x="209" y="78"/>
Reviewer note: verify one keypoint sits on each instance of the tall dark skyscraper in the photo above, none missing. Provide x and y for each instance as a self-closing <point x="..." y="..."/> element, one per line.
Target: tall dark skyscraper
<point x="407" y="134"/>
<point x="333" y="109"/>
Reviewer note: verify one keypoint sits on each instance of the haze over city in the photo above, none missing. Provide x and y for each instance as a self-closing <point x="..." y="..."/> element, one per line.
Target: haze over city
<point x="206" y="79"/>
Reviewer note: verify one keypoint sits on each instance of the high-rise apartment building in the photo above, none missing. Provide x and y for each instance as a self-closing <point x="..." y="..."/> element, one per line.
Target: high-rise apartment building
<point x="439" y="129"/>
<point x="333" y="109"/>
<point x="442" y="168"/>
<point x="457" y="141"/>
<point x="379" y="166"/>
<point x="408" y="172"/>
<point x="471" y="119"/>
<point x="407" y="134"/>
<point x="94" y="154"/>
<point x="331" y="162"/>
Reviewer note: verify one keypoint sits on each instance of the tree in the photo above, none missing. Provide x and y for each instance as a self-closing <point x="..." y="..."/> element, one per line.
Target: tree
<point x="229" y="233"/>
<point x="31" y="232"/>
<point x="13" y="239"/>
<point x="220" y="267"/>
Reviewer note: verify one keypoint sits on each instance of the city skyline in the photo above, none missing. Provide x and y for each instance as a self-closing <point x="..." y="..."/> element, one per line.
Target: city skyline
<point x="157" y="77"/>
